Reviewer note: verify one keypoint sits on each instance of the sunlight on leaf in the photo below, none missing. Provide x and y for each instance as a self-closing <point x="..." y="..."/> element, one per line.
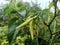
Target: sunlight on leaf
<point x="51" y="5"/>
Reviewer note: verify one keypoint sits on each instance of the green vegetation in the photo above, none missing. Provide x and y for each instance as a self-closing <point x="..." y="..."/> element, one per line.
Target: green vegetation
<point x="23" y="24"/>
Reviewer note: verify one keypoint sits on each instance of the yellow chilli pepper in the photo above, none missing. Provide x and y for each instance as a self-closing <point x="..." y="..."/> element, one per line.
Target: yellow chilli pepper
<point x="26" y="22"/>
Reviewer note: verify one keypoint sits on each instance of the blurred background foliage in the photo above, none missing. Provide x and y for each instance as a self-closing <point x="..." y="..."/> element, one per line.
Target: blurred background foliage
<point x="25" y="24"/>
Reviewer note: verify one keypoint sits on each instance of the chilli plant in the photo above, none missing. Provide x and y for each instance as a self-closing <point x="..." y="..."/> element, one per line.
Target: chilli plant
<point x="31" y="25"/>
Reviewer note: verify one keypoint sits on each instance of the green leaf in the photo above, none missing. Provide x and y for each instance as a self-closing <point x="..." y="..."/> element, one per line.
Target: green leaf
<point x="51" y="5"/>
<point x="53" y="26"/>
<point x="48" y="18"/>
<point x="12" y="32"/>
<point x="11" y="22"/>
<point x="59" y="0"/>
<point x="7" y="10"/>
